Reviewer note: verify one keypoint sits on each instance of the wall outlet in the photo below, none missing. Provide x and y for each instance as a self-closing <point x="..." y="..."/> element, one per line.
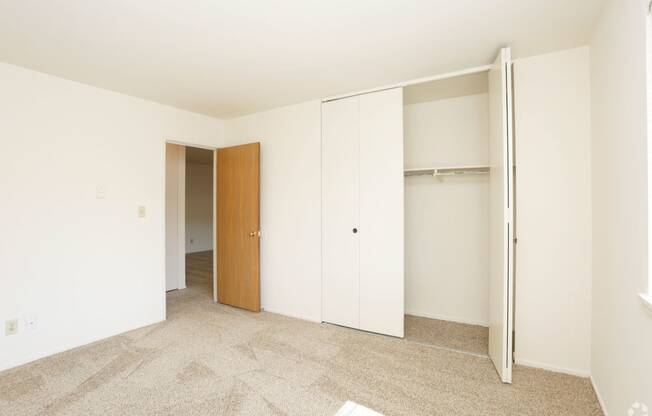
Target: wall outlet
<point x="31" y="323"/>
<point x="142" y="211"/>
<point x="11" y="327"/>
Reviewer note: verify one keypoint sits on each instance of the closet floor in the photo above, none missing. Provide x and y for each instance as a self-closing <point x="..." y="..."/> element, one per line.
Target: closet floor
<point x="472" y="339"/>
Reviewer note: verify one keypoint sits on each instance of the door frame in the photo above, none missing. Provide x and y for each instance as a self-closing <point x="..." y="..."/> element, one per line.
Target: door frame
<point x="181" y="215"/>
<point x="182" y="237"/>
<point x="511" y="315"/>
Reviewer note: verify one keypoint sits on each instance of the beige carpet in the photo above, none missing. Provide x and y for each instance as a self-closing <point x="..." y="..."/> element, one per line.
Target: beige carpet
<point x="209" y="359"/>
<point x="445" y="334"/>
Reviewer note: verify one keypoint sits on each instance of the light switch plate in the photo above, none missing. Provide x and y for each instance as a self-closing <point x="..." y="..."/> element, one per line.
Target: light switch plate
<point x="11" y="327"/>
<point x="142" y="212"/>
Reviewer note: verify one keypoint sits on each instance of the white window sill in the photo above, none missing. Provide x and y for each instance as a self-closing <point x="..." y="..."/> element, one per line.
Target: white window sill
<point x="646" y="299"/>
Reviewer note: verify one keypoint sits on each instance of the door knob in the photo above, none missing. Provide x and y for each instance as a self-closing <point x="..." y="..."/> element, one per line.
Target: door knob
<point x="355" y="230"/>
<point x="254" y="234"/>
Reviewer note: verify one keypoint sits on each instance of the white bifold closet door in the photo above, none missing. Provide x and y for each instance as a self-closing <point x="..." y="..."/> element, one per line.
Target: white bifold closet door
<point x="363" y="212"/>
<point x="341" y="201"/>
<point x="501" y="217"/>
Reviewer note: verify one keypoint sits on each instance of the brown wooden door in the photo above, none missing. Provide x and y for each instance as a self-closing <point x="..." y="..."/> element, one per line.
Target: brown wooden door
<point x="238" y="226"/>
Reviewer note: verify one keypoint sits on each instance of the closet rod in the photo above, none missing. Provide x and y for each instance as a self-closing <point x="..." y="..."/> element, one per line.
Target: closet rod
<point x="416" y="81"/>
<point x="462" y="170"/>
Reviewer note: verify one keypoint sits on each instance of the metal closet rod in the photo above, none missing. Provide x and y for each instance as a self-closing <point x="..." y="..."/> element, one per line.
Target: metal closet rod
<point x="449" y="171"/>
<point x="416" y="81"/>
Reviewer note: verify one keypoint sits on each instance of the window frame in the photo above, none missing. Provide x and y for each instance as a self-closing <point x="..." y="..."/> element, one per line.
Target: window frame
<point x="646" y="297"/>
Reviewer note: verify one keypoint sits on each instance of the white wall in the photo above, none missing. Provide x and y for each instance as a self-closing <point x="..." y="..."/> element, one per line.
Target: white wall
<point x="199" y="207"/>
<point x="290" y="181"/>
<point x="447" y="220"/>
<point x="621" y="359"/>
<point x="86" y="268"/>
<point x="553" y="211"/>
<point x="175" y="258"/>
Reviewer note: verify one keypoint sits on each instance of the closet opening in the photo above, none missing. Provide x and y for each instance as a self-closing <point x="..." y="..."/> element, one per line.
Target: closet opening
<point x="417" y="211"/>
<point x="448" y="203"/>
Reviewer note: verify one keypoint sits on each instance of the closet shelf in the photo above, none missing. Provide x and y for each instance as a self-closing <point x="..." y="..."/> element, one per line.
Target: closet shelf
<point x="447" y="171"/>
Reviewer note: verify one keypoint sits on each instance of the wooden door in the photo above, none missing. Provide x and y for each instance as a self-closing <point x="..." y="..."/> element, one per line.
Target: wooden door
<point x="238" y="226"/>
<point x="501" y="224"/>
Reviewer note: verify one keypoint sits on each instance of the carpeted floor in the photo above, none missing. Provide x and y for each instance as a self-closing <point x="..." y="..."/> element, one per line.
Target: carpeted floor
<point x="472" y="339"/>
<point x="210" y="359"/>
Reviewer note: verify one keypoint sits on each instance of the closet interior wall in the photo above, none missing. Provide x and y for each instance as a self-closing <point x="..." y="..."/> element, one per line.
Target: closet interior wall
<point x="446" y="124"/>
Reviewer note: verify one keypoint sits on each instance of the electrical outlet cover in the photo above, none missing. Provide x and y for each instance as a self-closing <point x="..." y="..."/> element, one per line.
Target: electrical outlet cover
<point x="11" y="327"/>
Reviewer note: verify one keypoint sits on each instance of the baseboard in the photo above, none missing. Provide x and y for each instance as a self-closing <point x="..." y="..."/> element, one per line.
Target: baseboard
<point x="597" y="393"/>
<point x="303" y="318"/>
<point x="553" y="368"/>
<point x="447" y="318"/>
<point x="70" y="347"/>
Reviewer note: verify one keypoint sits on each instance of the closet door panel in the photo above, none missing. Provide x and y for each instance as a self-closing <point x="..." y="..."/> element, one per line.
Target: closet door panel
<point x="340" y="153"/>
<point x="501" y="206"/>
<point x="381" y="212"/>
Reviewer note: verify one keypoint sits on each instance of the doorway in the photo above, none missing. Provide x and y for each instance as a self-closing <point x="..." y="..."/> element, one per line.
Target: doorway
<point x="212" y="224"/>
<point x="199" y="241"/>
<point x="189" y="219"/>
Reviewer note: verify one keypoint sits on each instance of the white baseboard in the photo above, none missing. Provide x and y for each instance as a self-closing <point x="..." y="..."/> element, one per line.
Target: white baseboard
<point x="90" y="340"/>
<point x="553" y="368"/>
<point x="289" y="315"/>
<point x="447" y="318"/>
<point x="600" y="401"/>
